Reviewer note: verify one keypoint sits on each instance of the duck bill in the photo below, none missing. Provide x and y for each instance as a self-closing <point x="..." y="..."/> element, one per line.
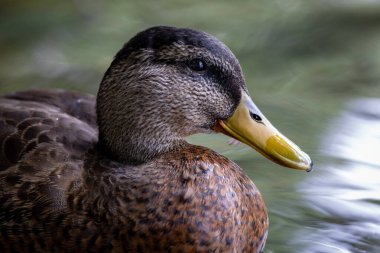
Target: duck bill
<point x="248" y="125"/>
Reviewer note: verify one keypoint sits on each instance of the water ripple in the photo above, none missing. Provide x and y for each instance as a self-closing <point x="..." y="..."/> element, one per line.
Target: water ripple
<point x="344" y="196"/>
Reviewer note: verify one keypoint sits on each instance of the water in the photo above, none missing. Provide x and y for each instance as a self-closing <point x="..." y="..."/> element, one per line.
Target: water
<point x="311" y="66"/>
<point x="346" y="192"/>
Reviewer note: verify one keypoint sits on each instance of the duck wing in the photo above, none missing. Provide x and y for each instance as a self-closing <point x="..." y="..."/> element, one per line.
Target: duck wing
<point x="44" y="136"/>
<point x="32" y="119"/>
<point x="76" y="104"/>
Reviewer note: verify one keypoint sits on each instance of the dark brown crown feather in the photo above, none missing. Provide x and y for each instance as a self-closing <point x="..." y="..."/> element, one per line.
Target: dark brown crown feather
<point x="159" y="36"/>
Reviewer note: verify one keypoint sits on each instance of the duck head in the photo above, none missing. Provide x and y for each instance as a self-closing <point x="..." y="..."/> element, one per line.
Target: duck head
<point x="167" y="83"/>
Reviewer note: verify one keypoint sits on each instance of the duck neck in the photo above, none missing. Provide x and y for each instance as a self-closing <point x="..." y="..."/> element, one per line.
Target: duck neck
<point x="137" y="121"/>
<point x="131" y="150"/>
<point x="132" y="133"/>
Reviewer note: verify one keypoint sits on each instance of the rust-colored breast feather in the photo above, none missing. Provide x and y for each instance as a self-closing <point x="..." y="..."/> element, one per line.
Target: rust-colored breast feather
<point x="58" y="193"/>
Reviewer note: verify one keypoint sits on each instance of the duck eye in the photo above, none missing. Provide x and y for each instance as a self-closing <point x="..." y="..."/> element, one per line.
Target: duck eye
<point x="255" y="116"/>
<point x="197" y="65"/>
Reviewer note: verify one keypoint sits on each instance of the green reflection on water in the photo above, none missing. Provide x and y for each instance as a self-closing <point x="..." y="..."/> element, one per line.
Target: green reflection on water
<point x="302" y="60"/>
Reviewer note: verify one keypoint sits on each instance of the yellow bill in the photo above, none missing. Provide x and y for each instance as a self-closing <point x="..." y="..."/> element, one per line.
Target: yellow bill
<point x="249" y="126"/>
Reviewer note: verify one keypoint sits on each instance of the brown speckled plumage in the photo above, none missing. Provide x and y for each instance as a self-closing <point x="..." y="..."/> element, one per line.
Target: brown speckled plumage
<point x="141" y="188"/>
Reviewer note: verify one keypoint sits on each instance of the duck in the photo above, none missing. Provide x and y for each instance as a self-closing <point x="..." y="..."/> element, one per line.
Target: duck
<point x="114" y="173"/>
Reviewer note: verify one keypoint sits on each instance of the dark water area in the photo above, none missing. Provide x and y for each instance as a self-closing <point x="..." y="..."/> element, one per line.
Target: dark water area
<point x="313" y="68"/>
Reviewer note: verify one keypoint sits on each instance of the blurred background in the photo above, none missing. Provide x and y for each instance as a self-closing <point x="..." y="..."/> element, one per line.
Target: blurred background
<point x="313" y="67"/>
